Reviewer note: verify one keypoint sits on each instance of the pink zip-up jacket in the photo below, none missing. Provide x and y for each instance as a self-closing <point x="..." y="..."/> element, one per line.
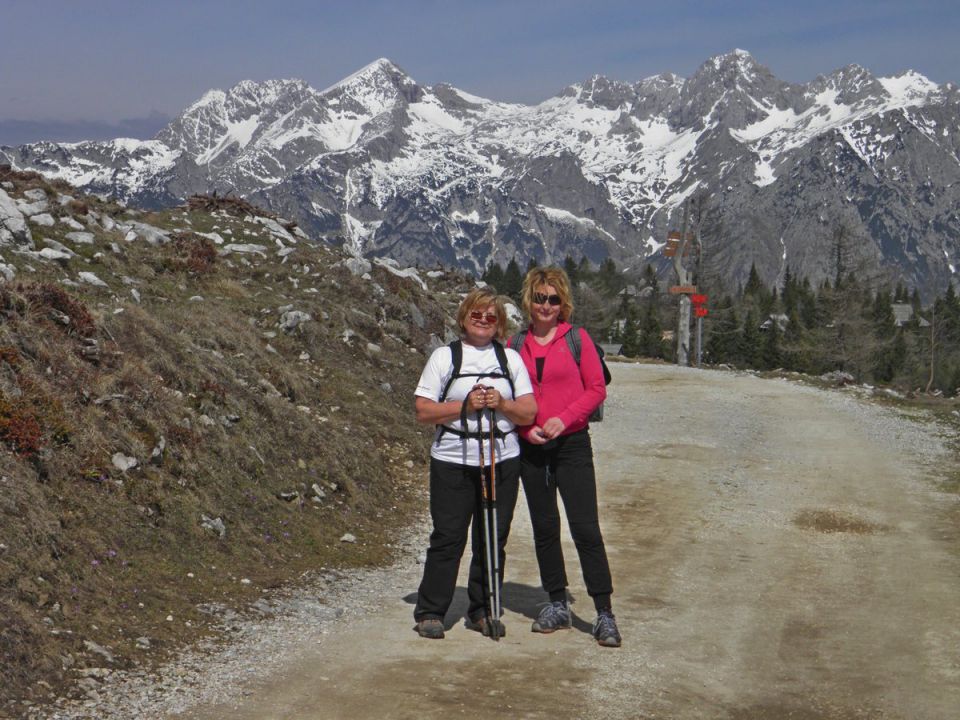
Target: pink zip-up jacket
<point x="565" y="391"/>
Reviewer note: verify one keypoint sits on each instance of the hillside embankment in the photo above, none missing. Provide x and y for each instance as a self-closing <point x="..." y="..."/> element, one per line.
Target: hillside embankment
<point x="196" y="406"/>
<point x="778" y="551"/>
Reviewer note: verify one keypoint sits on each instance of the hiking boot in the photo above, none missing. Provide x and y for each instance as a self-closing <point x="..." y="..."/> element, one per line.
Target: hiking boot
<point x="483" y="627"/>
<point x="555" y="615"/>
<point x="430" y="628"/>
<point x="605" y="629"/>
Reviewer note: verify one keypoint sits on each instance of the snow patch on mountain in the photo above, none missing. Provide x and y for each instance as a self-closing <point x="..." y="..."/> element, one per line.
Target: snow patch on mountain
<point x="558" y="215"/>
<point x="238" y="133"/>
<point x="909" y="88"/>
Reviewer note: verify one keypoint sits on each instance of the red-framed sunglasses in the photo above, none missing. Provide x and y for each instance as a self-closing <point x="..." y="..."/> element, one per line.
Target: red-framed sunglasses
<point x="488" y="317"/>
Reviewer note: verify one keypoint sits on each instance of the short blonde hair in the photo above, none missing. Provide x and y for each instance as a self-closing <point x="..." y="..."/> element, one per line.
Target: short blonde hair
<point x="551" y="275"/>
<point x="481" y="299"/>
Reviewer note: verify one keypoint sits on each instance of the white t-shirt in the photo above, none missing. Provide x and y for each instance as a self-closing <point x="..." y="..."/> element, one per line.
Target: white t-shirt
<point x="439" y="369"/>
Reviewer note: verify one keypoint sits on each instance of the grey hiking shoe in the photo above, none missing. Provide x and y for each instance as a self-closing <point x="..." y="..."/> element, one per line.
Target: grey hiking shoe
<point x="431" y="628"/>
<point x="605" y="629"/>
<point x="554" y="616"/>
<point x="481" y="626"/>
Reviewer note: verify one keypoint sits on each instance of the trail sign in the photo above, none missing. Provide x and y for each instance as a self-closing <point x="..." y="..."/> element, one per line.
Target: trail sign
<point x="698" y="299"/>
<point x="700" y="311"/>
<point x="670" y="249"/>
<point x="682" y="289"/>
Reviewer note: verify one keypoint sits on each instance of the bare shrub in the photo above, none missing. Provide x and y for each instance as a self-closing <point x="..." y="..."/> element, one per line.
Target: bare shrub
<point x="47" y="296"/>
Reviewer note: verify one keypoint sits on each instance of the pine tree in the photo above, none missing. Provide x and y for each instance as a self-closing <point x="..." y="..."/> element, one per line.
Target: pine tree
<point x="493" y="275"/>
<point x="608" y="277"/>
<point x="723" y="343"/>
<point x="791" y="293"/>
<point x="916" y="302"/>
<point x="809" y="312"/>
<point x="650" y="278"/>
<point x="794" y="352"/>
<point x="630" y="337"/>
<point x="900" y="294"/>
<point x="751" y="348"/>
<point x="584" y="270"/>
<point x="650" y="342"/>
<point x="512" y="280"/>
<point x="754" y="284"/>
<point x="771" y="353"/>
<point x="882" y="314"/>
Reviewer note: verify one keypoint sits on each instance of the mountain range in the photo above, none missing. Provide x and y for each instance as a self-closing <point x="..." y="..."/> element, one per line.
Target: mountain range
<point x="434" y="175"/>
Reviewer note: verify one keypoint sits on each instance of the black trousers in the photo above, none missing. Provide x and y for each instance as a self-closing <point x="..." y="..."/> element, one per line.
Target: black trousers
<point x="455" y="504"/>
<point x="566" y="465"/>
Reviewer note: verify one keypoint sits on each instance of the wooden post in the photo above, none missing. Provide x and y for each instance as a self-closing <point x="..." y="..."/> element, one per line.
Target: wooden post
<point x="683" y="318"/>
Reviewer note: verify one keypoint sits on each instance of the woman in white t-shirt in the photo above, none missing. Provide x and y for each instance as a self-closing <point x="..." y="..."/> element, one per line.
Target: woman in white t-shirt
<point x="444" y="398"/>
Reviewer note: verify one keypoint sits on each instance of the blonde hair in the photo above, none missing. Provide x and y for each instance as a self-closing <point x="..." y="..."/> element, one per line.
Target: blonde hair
<point x="481" y="299"/>
<point x="554" y="276"/>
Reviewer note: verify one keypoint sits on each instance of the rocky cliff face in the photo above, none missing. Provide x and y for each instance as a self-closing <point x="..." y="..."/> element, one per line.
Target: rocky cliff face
<point x="388" y="167"/>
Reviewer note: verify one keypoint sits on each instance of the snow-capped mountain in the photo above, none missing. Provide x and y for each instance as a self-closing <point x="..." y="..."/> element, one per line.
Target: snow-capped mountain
<point x="436" y="175"/>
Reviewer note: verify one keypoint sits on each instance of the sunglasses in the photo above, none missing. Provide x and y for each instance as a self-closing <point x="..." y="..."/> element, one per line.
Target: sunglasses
<point x="541" y="299"/>
<point x="489" y="317"/>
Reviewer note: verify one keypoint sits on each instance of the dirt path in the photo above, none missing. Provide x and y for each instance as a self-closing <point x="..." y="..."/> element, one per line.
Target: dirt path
<point x="777" y="552"/>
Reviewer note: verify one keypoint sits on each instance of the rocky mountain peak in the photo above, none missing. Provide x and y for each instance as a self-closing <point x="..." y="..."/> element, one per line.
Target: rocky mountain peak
<point x="601" y="91"/>
<point x="375" y="87"/>
<point x="223" y="123"/>
<point x="730" y="90"/>
<point x="433" y="174"/>
<point x="849" y="85"/>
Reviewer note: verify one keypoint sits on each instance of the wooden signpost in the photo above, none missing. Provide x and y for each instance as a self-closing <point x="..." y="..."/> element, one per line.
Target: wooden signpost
<point x="678" y="246"/>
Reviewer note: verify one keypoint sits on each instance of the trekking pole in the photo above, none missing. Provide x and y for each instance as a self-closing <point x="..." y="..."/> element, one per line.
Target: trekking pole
<point x="490" y="548"/>
<point x="496" y="535"/>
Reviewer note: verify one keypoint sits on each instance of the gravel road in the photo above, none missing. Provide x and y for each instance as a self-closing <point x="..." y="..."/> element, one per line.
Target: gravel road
<point x="778" y="551"/>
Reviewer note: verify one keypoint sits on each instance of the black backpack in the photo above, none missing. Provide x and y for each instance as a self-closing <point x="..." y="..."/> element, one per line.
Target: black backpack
<point x="456" y="356"/>
<point x="573" y="342"/>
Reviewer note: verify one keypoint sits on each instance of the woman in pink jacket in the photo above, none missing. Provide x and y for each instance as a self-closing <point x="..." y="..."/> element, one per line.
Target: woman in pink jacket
<point x="555" y="451"/>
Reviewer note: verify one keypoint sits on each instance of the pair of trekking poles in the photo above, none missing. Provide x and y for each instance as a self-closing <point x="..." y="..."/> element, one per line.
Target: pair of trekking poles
<point x="488" y="509"/>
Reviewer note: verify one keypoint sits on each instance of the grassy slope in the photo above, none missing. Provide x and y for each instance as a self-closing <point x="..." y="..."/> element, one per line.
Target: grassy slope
<point x="245" y="412"/>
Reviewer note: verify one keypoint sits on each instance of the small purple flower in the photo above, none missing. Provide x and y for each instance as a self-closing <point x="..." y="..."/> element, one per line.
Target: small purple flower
<point x="111" y="553"/>
<point x="94" y="562"/>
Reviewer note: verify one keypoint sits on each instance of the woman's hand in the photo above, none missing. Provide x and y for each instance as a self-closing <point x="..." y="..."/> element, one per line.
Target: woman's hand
<point x="477" y="398"/>
<point x="552" y="428"/>
<point x="536" y="436"/>
<point x="492" y="398"/>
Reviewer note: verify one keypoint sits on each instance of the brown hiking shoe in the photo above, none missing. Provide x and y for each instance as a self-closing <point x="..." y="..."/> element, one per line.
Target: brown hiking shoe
<point x="481" y="626"/>
<point x="431" y="628"/>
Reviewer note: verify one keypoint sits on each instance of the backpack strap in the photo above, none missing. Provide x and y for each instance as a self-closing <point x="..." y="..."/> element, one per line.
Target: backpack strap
<point x="516" y="341"/>
<point x="456" y="361"/>
<point x="504" y="366"/>
<point x="573" y="342"/>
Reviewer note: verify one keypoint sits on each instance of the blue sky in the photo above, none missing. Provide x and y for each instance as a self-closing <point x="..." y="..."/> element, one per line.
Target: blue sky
<point x="106" y="60"/>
